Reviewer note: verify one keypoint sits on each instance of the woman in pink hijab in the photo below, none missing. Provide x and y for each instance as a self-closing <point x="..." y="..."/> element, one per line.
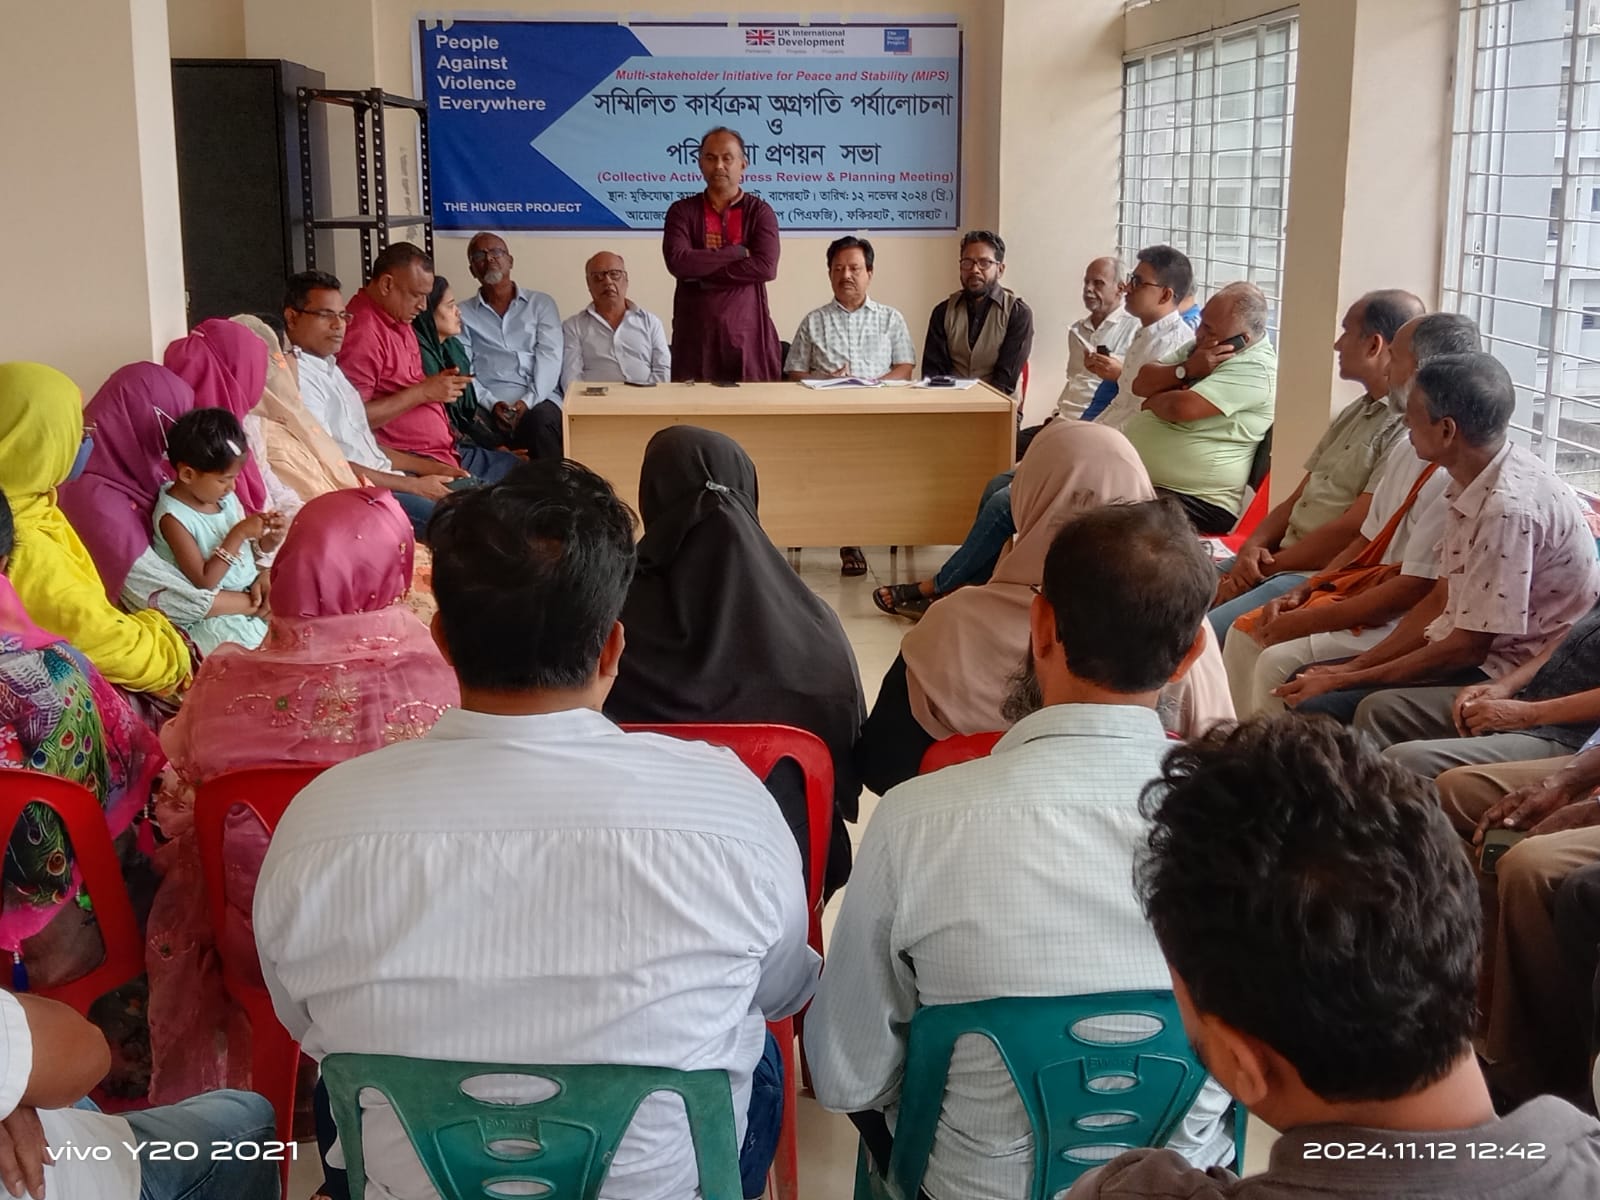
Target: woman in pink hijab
<point x="957" y="665"/>
<point x="226" y="365"/>
<point x="345" y="669"/>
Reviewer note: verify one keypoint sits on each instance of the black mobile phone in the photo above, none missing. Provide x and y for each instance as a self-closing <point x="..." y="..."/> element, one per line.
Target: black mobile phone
<point x="1495" y="843"/>
<point x="646" y="383"/>
<point x="1238" y="341"/>
<point x="724" y="383"/>
<point x="1103" y="351"/>
<point x="940" y="381"/>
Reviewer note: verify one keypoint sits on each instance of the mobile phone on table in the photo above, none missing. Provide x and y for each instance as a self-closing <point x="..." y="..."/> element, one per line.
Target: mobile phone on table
<point x="940" y="381"/>
<point x="1495" y="843"/>
<point x="646" y="383"/>
<point x="724" y="383"/>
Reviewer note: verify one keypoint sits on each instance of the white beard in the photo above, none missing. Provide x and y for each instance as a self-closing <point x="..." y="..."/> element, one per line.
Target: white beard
<point x="1398" y="397"/>
<point x="494" y="278"/>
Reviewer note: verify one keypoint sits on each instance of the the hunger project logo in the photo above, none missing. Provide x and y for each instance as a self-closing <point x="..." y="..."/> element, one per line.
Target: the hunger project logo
<point x="897" y="41"/>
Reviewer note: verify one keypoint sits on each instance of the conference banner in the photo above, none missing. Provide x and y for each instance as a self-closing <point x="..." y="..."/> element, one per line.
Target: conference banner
<point x="551" y="126"/>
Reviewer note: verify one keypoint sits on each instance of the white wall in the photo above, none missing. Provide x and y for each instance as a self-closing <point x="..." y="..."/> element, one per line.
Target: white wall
<point x="89" y="202"/>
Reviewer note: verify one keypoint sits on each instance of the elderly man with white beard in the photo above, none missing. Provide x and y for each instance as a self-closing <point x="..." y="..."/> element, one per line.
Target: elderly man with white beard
<point x="1320" y="516"/>
<point x="1288" y="633"/>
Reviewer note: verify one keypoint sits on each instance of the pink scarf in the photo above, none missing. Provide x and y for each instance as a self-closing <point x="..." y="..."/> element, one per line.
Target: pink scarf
<point x="110" y="505"/>
<point x="343" y="670"/>
<point x="226" y="365"/>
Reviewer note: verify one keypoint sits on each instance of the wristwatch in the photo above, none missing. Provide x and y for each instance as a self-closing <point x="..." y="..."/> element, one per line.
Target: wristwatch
<point x="1182" y="372"/>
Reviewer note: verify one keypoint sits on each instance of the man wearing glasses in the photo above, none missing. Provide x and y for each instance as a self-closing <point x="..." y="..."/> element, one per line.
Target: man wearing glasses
<point x="1154" y="294"/>
<point x="513" y="337"/>
<point x="983" y="331"/>
<point x="613" y="340"/>
<point x="315" y="316"/>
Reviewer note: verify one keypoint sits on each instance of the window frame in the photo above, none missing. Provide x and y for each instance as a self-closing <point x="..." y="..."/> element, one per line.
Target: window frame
<point x="1192" y="214"/>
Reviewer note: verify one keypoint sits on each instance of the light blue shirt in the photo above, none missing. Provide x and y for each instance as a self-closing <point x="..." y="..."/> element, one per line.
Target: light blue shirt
<point x="517" y="356"/>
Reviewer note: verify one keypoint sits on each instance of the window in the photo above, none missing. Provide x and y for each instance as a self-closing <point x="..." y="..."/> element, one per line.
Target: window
<point x="1522" y="254"/>
<point x="1206" y="128"/>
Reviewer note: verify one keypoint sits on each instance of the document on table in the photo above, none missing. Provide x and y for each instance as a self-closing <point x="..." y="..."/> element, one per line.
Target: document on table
<point x="850" y="381"/>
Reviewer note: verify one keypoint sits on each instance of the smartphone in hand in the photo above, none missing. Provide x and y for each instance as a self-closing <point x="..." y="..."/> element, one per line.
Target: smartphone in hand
<point x="1495" y="843"/>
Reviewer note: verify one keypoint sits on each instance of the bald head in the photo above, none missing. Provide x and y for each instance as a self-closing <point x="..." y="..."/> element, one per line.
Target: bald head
<point x="1101" y="293"/>
<point x="1246" y="306"/>
<point x="607" y="277"/>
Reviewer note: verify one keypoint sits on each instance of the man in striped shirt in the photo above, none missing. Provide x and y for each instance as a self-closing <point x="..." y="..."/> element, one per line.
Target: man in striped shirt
<point x="852" y="334"/>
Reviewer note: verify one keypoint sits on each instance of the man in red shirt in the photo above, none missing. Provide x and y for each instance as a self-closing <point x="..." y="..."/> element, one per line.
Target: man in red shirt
<point x="382" y="360"/>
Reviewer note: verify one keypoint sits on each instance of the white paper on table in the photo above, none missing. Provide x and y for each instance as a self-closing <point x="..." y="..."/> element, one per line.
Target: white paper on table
<point x="849" y="381"/>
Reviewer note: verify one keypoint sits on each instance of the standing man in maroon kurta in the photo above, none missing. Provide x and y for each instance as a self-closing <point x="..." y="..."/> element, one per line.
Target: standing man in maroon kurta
<point x="722" y="248"/>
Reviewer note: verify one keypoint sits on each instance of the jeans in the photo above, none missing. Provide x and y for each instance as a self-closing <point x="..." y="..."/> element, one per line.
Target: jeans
<point x="418" y="510"/>
<point x="237" y="1118"/>
<point x="763" y="1121"/>
<point x="1224" y="615"/>
<point x="491" y="466"/>
<point x="974" y="560"/>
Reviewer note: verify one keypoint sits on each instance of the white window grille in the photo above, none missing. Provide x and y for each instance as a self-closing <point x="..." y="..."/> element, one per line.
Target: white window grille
<point x="1207" y="124"/>
<point x="1522" y="254"/>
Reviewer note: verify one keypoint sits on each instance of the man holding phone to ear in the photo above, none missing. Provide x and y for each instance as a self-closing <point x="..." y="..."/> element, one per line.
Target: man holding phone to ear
<point x="1208" y="406"/>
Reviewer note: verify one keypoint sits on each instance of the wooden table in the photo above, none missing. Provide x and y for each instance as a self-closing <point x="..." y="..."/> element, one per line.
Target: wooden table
<point x="837" y="467"/>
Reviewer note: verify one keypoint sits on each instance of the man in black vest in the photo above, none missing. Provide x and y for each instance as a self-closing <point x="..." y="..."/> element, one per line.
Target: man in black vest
<point x="983" y="331"/>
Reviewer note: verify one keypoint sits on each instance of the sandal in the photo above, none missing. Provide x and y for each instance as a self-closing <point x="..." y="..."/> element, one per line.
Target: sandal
<point x="852" y="561"/>
<point x="902" y="600"/>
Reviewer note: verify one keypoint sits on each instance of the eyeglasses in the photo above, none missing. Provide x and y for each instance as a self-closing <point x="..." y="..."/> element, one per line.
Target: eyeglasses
<point x="978" y="264"/>
<point x="477" y="256"/>
<point x="327" y="314"/>
<point x="607" y="276"/>
<point x="1135" y="283"/>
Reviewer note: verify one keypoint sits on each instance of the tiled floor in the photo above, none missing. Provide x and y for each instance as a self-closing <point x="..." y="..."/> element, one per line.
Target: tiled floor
<point x="828" y="1141"/>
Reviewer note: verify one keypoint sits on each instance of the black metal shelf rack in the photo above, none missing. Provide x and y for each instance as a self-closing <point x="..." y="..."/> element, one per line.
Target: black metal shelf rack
<point x="368" y="108"/>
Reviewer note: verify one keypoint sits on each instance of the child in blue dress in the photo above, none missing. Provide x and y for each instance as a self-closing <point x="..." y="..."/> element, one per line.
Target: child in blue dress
<point x="202" y="529"/>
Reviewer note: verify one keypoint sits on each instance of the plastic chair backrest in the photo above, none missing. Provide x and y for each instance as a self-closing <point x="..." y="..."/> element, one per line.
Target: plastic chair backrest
<point x="564" y="1142"/>
<point x="266" y="793"/>
<point x="101" y="870"/>
<point x="1055" y="1063"/>
<point x="761" y="748"/>
<point x="1261" y="461"/>
<point x="963" y="747"/>
<point x="1260" y="505"/>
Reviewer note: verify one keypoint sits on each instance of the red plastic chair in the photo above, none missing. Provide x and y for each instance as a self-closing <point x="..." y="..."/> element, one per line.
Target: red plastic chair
<point x="266" y="793"/>
<point x="85" y="823"/>
<point x="959" y="749"/>
<point x="1260" y="505"/>
<point x="761" y="748"/>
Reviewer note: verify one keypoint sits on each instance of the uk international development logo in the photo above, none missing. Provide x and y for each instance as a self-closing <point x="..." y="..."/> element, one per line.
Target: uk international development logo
<point x="759" y="37"/>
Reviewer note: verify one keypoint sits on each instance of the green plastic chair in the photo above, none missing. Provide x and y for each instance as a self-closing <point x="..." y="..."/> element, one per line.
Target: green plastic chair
<point x="1055" y="1065"/>
<point x="472" y="1148"/>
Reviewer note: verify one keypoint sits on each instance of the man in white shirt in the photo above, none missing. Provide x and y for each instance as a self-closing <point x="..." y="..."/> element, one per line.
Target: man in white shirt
<point x="314" y="314"/>
<point x="1108" y="325"/>
<point x="613" y="340"/>
<point x="527" y="883"/>
<point x="195" y="1150"/>
<point x="852" y="334"/>
<point x="1010" y="875"/>
<point x="513" y="336"/>
<point x="1153" y="295"/>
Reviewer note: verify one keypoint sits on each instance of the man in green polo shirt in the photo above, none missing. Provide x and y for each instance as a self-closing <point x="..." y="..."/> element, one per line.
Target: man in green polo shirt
<point x="1209" y="406"/>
